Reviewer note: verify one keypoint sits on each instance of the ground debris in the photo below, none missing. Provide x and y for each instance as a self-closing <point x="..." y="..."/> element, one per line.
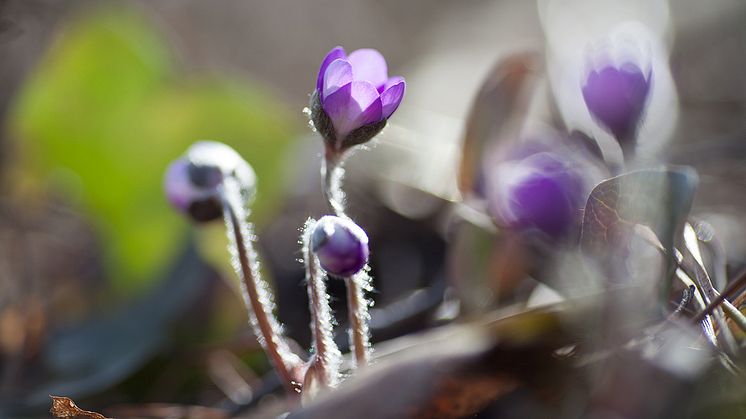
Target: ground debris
<point x="64" y="407"/>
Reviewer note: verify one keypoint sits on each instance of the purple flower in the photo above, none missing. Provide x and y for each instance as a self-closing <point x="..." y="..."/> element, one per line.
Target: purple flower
<point x="538" y="190"/>
<point x="340" y="244"/>
<point x="616" y="98"/>
<point x="354" y="92"/>
<point x="193" y="183"/>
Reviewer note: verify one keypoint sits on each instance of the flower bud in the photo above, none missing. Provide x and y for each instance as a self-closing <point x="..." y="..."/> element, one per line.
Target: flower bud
<point x="194" y="182"/>
<point x="616" y="97"/>
<point x="340" y="244"/>
<point x="536" y="190"/>
<point x="354" y="97"/>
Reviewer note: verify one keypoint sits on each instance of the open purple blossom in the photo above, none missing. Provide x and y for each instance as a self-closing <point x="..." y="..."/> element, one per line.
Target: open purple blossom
<point x="616" y="97"/>
<point x="537" y="190"/>
<point x="193" y="182"/>
<point x="354" y="96"/>
<point x="340" y="244"/>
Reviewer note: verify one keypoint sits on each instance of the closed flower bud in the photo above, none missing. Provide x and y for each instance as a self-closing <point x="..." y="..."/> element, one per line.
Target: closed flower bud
<point x="340" y="244"/>
<point x="194" y="182"/>
<point x="616" y="97"/>
<point x="536" y="190"/>
<point x="354" y="97"/>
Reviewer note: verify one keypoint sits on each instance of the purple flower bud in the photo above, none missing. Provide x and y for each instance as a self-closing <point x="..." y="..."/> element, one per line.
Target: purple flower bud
<point x="193" y="183"/>
<point x="616" y="98"/>
<point x="354" y="96"/>
<point x="340" y="244"/>
<point x="536" y="191"/>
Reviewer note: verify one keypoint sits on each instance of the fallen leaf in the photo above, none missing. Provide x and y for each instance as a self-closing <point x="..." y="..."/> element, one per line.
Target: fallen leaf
<point x="64" y="407"/>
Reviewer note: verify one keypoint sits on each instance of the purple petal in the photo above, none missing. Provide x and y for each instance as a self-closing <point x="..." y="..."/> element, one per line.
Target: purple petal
<point x="352" y="106"/>
<point x="180" y="191"/>
<point x="392" y="95"/>
<point x="338" y="74"/>
<point x="369" y="65"/>
<point x="335" y="54"/>
<point x="616" y="97"/>
<point x="373" y="113"/>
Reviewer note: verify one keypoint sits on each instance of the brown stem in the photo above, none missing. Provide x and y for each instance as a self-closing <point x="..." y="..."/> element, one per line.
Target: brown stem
<point x="260" y="306"/>
<point x="358" y="315"/>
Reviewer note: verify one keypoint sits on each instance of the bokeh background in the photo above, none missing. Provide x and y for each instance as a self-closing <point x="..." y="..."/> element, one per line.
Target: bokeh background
<point x="111" y="298"/>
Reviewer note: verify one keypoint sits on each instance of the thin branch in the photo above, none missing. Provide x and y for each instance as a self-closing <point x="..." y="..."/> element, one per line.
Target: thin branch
<point x="692" y="255"/>
<point x="733" y="287"/>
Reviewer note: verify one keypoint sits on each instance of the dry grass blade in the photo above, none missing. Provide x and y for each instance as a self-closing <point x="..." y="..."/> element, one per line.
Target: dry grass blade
<point x="732" y="288"/>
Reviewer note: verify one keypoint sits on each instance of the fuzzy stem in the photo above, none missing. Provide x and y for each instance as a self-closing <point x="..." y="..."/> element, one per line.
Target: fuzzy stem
<point x="357" y="305"/>
<point x="326" y="358"/>
<point x="257" y="297"/>
<point x="332" y="172"/>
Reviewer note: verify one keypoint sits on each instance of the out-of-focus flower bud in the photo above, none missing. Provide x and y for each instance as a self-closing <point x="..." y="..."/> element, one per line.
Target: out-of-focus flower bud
<point x="354" y="97"/>
<point x="536" y="188"/>
<point x="194" y="182"/>
<point x="616" y="97"/>
<point x="610" y="77"/>
<point x="340" y="244"/>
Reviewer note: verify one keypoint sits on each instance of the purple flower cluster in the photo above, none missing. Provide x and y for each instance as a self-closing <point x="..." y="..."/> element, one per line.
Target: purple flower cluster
<point x="616" y="98"/>
<point x="354" y="96"/>
<point x="340" y="244"/>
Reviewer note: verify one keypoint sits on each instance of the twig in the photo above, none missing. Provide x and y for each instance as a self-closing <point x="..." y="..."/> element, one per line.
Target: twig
<point x="729" y="291"/>
<point x="693" y="255"/>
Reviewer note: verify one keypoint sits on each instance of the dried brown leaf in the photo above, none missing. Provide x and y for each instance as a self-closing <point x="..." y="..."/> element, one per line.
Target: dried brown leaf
<point x="501" y="104"/>
<point x="64" y="407"/>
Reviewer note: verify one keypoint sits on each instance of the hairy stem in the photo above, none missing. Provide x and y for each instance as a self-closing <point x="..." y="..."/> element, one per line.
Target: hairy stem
<point x="257" y="297"/>
<point x="332" y="172"/>
<point x="326" y="356"/>
<point x="357" y="305"/>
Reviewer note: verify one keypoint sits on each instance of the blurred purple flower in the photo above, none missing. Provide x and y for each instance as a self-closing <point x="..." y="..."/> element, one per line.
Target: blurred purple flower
<point x="616" y="98"/>
<point x="536" y="188"/>
<point x="193" y="182"/>
<point x="355" y="91"/>
<point x="340" y="244"/>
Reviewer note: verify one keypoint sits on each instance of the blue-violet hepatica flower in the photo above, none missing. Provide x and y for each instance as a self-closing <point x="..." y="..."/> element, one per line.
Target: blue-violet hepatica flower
<point x="354" y="97"/>
<point x="341" y="246"/>
<point x="194" y="182"/>
<point x="537" y="191"/>
<point x="616" y="97"/>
